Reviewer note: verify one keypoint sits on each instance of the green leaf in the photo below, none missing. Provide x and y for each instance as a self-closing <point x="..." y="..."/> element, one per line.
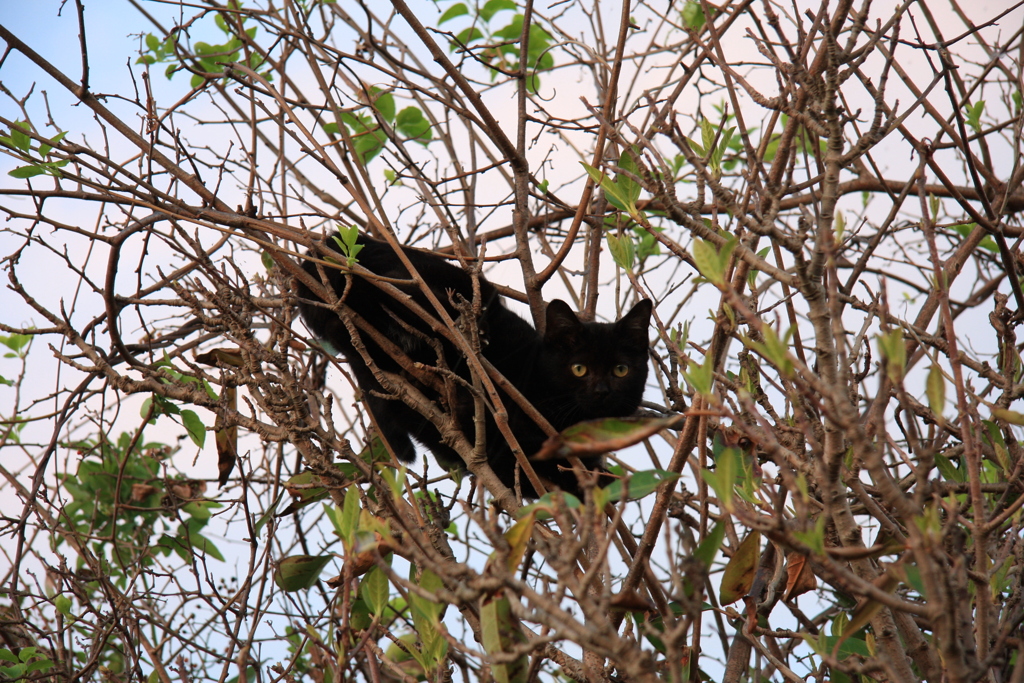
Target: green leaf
<point x="707" y="549"/>
<point x="594" y="437"/>
<point x="647" y="244"/>
<point x="161" y="406"/>
<point x="44" y="149"/>
<point x="775" y="350"/>
<point x="8" y="656"/>
<point x="27" y="171"/>
<point x="739" y="572"/>
<point x="1001" y="580"/>
<point x="425" y="615"/>
<point x="639" y="485"/>
<point x="948" y="470"/>
<point x="851" y="646"/>
<point x="465" y="37"/>
<point x="597" y="176"/>
<point x="545" y="505"/>
<point x="412" y="124"/>
<point x="974" y="114"/>
<point x="839" y="226"/>
<point x="894" y="351"/>
<point x="16" y="342"/>
<point x="205" y="546"/>
<point x="653" y="625"/>
<point x="300" y="571"/>
<point x="814" y="538"/>
<point x="623" y="251"/>
<point x="222" y="24"/>
<point x="194" y="426"/>
<point x="914" y="580"/>
<point x="374" y="590"/>
<point x="614" y="192"/>
<point x="867" y="609"/>
<point x="701" y="377"/>
<point x="456" y="10"/>
<point x="986" y="242"/>
<point x="199" y="510"/>
<point x="395" y="479"/>
<point x="936" y="391"/>
<point x="543" y="60"/>
<point x="346" y="242"/>
<point x="1011" y="416"/>
<point x="712" y="262"/>
<point x="512" y="30"/>
<point x="723" y="479"/>
<point x="492" y="7"/>
<point x="630" y="187"/>
<point x="383" y="103"/>
<point x="707" y="134"/>
<point x="348" y="520"/>
<point x="706" y="257"/>
<point x="839" y="623"/>
<point x="63" y="604"/>
<point x="752" y="274"/>
<point x="255" y="62"/>
<point x="250" y="672"/>
<point x="518" y="538"/>
<point x="772" y="148"/>
<point x="404" y="655"/>
<point x="41" y="665"/>
<point x="267" y="260"/>
<point x="500" y="633"/>
<point x="19" y="136"/>
<point x="349" y="237"/>
<point x="994" y="436"/>
<point x="427" y="609"/>
<point x="301" y="487"/>
<point x="265" y="517"/>
<point x="693" y="15"/>
<point x="369" y="143"/>
<point x="715" y="161"/>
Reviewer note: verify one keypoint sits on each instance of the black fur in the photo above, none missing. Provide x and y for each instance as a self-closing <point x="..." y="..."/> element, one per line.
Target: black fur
<point x="540" y="367"/>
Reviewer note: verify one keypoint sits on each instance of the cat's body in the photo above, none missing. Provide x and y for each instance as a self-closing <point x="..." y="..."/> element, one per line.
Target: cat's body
<point x="576" y="371"/>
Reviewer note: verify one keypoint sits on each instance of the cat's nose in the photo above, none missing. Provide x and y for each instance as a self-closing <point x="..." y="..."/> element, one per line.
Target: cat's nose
<point x="602" y="389"/>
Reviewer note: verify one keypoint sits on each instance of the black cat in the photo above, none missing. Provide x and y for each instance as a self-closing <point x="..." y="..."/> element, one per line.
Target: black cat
<point x="576" y="371"/>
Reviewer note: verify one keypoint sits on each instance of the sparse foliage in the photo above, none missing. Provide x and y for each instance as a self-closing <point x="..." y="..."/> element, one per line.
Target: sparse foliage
<point x="824" y="203"/>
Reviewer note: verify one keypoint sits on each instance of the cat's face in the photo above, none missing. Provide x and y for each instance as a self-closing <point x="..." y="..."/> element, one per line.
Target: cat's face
<point x="600" y="369"/>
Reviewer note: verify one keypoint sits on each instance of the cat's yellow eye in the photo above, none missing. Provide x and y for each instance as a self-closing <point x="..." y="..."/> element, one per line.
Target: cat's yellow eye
<point x="620" y="370"/>
<point x="579" y="369"/>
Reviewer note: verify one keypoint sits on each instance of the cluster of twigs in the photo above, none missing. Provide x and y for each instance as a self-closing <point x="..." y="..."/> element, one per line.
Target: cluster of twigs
<point x="823" y="204"/>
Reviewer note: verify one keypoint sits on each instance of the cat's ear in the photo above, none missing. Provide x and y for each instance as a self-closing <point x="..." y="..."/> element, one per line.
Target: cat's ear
<point x="633" y="327"/>
<point x="562" y="327"/>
